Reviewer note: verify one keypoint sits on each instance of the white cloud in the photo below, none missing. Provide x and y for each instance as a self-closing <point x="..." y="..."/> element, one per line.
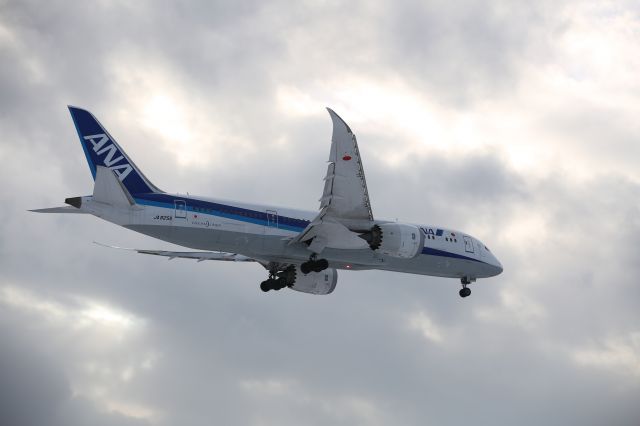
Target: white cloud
<point x="516" y="120"/>
<point x="420" y="322"/>
<point x="620" y="354"/>
<point x="518" y="307"/>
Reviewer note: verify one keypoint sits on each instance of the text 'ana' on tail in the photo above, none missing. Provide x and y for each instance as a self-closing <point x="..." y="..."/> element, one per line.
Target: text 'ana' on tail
<point x="102" y="150"/>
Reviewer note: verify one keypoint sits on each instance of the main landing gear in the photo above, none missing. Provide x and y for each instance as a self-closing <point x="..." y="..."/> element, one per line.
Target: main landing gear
<point x="465" y="291"/>
<point x="314" y="265"/>
<point x="279" y="280"/>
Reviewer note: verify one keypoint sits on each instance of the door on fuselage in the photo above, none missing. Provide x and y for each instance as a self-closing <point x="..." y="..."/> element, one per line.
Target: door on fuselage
<point x="272" y="220"/>
<point x="270" y="242"/>
<point x="180" y="211"/>
<point x="468" y="244"/>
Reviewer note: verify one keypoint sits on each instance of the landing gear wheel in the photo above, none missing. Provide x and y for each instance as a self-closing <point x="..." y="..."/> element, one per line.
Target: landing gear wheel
<point x="265" y="285"/>
<point x="306" y="267"/>
<point x="279" y="284"/>
<point x="320" y="265"/>
<point x="314" y="265"/>
<point x="465" y="292"/>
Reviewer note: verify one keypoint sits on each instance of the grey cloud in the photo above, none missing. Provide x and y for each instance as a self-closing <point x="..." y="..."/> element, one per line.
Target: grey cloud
<point x="35" y="389"/>
<point x="467" y="51"/>
<point x="226" y="353"/>
<point x="32" y="388"/>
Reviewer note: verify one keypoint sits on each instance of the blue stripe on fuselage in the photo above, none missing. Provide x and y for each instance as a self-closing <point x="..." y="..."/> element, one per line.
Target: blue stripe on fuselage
<point x="221" y="210"/>
<point x="251" y="216"/>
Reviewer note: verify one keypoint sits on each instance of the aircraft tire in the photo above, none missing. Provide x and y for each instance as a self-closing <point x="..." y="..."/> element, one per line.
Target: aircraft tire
<point x="306" y="267"/>
<point x="320" y="265"/>
<point x="279" y="284"/>
<point x="465" y="292"/>
<point x="265" y="285"/>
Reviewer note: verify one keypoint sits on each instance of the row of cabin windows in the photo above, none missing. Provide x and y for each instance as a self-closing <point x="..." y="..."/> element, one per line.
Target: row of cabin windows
<point x="451" y="240"/>
<point x="255" y="215"/>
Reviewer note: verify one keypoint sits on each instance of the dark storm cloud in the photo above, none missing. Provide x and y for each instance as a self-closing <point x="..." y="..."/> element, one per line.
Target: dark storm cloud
<point x="385" y="348"/>
<point x="34" y="387"/>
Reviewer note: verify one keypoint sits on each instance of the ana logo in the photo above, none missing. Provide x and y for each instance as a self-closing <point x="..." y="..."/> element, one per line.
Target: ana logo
<point x="100" y="147"/>
<point x="430" y="231"/>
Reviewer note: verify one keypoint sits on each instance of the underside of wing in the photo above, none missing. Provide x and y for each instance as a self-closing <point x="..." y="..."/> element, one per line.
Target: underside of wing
<point x="196" y="255"/>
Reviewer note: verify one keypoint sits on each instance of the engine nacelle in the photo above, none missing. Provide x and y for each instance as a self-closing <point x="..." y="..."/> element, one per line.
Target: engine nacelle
<point x="315" y="282"/>
<point x="397" y="240"/>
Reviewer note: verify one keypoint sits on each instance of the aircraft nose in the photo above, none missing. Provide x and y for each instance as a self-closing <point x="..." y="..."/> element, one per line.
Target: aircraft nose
<point x="497" y="265"/>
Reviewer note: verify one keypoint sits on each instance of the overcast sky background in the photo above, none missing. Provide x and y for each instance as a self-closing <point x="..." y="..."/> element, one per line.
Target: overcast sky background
<point x="514" y="121"/>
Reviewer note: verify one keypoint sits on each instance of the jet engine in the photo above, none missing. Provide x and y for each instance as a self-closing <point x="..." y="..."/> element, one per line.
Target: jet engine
<point x="396" y="239"/>
<point x="323" y="282"/>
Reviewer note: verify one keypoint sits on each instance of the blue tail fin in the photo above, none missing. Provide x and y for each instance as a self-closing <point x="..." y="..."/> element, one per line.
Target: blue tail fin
<point x="102" y="150"/>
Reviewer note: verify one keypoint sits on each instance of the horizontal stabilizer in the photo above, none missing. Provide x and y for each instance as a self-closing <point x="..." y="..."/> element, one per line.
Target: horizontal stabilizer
<point x="196" y="255"/>
<point x="63" y="209"/>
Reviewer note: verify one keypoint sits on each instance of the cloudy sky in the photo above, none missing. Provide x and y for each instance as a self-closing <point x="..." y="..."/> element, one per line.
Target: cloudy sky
<point x="514" y="121"/>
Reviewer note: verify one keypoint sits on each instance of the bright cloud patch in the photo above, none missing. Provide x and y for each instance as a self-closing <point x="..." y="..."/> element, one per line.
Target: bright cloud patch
<point x="619" y="354"/>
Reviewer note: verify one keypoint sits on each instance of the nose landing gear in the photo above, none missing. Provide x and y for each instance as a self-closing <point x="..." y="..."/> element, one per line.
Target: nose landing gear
<point x="465" y="291"/>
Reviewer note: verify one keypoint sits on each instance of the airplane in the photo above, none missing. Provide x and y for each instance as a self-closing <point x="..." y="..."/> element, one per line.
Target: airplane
<point x="301" y="250"/>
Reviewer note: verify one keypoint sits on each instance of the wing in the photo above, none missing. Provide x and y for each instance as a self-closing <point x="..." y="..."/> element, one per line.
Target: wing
<point x="197" y="255"/>
<point x="345" y="194"/>
<point x="345" y="204"/>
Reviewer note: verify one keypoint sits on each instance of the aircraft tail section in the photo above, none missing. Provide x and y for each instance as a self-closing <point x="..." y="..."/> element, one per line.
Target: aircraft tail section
<point x="101" y="149"/>
<point x="108" y="189"/>
<point x="108" y="193"/>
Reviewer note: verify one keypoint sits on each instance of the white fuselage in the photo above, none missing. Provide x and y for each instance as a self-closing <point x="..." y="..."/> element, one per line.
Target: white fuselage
<point x="263" y="233"/>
